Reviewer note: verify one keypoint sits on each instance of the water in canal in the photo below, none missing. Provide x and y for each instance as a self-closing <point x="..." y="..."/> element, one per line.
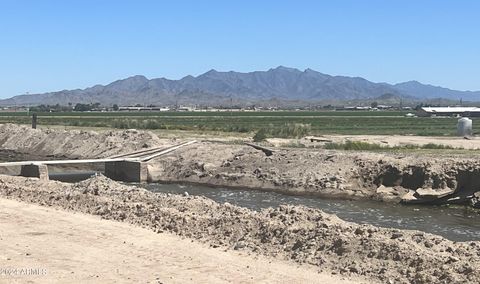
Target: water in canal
<point x="455" y="223"/>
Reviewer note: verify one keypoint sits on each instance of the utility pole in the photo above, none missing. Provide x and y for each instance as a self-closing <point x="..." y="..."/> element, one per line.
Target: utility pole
<point x="34" y="121"/>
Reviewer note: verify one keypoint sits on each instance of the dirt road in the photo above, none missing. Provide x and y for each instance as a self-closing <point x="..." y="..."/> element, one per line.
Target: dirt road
<point x="299" y="235"/>
<point x="78" y="248"/>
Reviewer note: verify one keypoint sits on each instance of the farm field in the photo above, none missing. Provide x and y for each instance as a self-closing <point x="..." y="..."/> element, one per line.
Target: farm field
<point x="317" y="123"/>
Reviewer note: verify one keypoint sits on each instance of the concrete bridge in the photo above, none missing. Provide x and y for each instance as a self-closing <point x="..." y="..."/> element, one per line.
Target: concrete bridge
<point x="131" y="167"/>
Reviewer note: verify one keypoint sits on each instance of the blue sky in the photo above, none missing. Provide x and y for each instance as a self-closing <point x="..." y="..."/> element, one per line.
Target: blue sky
<point x="48" y="45"/>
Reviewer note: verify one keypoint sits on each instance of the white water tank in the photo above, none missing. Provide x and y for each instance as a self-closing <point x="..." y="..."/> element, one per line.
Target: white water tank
<point x="464" y="127"/>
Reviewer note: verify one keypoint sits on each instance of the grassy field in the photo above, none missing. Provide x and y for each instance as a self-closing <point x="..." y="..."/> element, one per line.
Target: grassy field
<point x="212" y="114"/>
<point x="321" y="122"/>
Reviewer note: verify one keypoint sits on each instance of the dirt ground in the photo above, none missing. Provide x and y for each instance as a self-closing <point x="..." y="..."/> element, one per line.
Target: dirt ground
<point x="472" y="143"/>
<point x="77" y="248"/>
<point x="76" y="143"/>
<point x="298" y="234"/>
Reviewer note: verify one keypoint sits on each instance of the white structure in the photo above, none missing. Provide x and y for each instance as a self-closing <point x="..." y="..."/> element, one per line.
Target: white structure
<point x="464" y="127"/>
<point x="449" y="111"/>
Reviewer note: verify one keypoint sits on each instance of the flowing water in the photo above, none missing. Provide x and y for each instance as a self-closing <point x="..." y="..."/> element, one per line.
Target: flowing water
<point x="455" y="223"/>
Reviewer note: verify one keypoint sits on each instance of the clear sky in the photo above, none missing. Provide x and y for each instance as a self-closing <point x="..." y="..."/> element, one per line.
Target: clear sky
<point x="48" y="45"/>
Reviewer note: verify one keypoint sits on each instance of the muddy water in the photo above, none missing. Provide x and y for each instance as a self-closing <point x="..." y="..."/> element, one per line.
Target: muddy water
<point x="454" y="223"/>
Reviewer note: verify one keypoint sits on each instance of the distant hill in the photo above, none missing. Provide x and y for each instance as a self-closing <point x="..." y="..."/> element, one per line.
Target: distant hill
<point x="419" y="90"/>
<point x="278" y="85"/>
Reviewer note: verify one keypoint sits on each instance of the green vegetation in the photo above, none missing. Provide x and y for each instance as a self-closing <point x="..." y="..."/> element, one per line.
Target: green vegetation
<point x="437" y="146"/>
<point x="279" y="113"/>
<point x="288" y="130"/>
<point x="354" y="145"/>
<point x="50" y="108"/>
<point x="260" y="135"/>
<point x="86" y="107"/>
<point x="365" y="146"/>
<point x="274" y="123"/>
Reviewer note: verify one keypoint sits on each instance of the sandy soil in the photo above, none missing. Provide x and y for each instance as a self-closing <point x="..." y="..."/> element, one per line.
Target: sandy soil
<point x="78" y="248"/>
<point x="292" y="233"/>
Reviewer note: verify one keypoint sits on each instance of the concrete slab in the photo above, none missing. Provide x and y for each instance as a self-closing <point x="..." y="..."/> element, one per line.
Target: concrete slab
<point x="127" y="171"/>
<point x="38" y="171"/>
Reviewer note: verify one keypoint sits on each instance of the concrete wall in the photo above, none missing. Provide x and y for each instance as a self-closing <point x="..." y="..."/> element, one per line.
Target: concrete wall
<point x="38" y="171"/>
<point x="127" y="171"/>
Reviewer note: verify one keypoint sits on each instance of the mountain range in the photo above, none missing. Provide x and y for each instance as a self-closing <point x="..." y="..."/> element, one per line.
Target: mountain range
<point x="213" y="88"/>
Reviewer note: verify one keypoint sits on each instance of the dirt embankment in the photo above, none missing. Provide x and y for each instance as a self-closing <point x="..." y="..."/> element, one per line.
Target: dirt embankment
<point x="295" y="233"/>
<point x="393" y="177"/>
<point x="420" y="178"/>
<point x="75" y="143"/>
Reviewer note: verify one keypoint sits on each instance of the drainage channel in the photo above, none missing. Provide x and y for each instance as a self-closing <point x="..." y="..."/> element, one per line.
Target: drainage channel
<point x="456" y="223"/>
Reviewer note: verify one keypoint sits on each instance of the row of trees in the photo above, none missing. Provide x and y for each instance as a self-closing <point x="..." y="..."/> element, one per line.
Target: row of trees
<point x="50" y="108"/>
<point x="70" y="107"/>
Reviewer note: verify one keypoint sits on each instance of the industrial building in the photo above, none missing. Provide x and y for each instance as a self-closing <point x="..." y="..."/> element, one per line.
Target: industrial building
<point x="449" y="111"/>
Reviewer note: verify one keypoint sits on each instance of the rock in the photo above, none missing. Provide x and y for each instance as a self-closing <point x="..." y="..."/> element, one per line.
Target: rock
<point x="396" y="235"/>
<point x="452" y="259"/>
<point x="297" y="245"/>
<point x="359" y="231"/>
<point x="239" y="245"/>
<point x="226" y="164"/>
<point x="208" y="167"/>
<point x="385" y="190"/>
<point x="186" y="194"/>
<point x="428" y="244"/>
<point x="410" y="197"/>
<point x="429" y="193"/>
<point x="475" y="201"/>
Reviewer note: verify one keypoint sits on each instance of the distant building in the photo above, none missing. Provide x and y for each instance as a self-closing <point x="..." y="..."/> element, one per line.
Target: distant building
<point x="449" y="111"/>
<point x="185" y="108"/>
<point x="384" y="107"/>
<point x="134" y="108"/>
<point x="14" y="109"/>
<point x="355" y="108"/>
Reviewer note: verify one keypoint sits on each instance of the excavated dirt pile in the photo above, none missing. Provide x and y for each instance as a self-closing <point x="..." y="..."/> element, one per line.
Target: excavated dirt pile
<point x="296" y="233"/>
<point x="74" y="143"/>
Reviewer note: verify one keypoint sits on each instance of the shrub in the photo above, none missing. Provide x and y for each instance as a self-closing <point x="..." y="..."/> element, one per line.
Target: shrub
<point x="354" y="145"/>
<point x="359" y="145"/>
<point x="260" y="135"/>
<point x="436" y="146"/>
<point x="289" y="130"/>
